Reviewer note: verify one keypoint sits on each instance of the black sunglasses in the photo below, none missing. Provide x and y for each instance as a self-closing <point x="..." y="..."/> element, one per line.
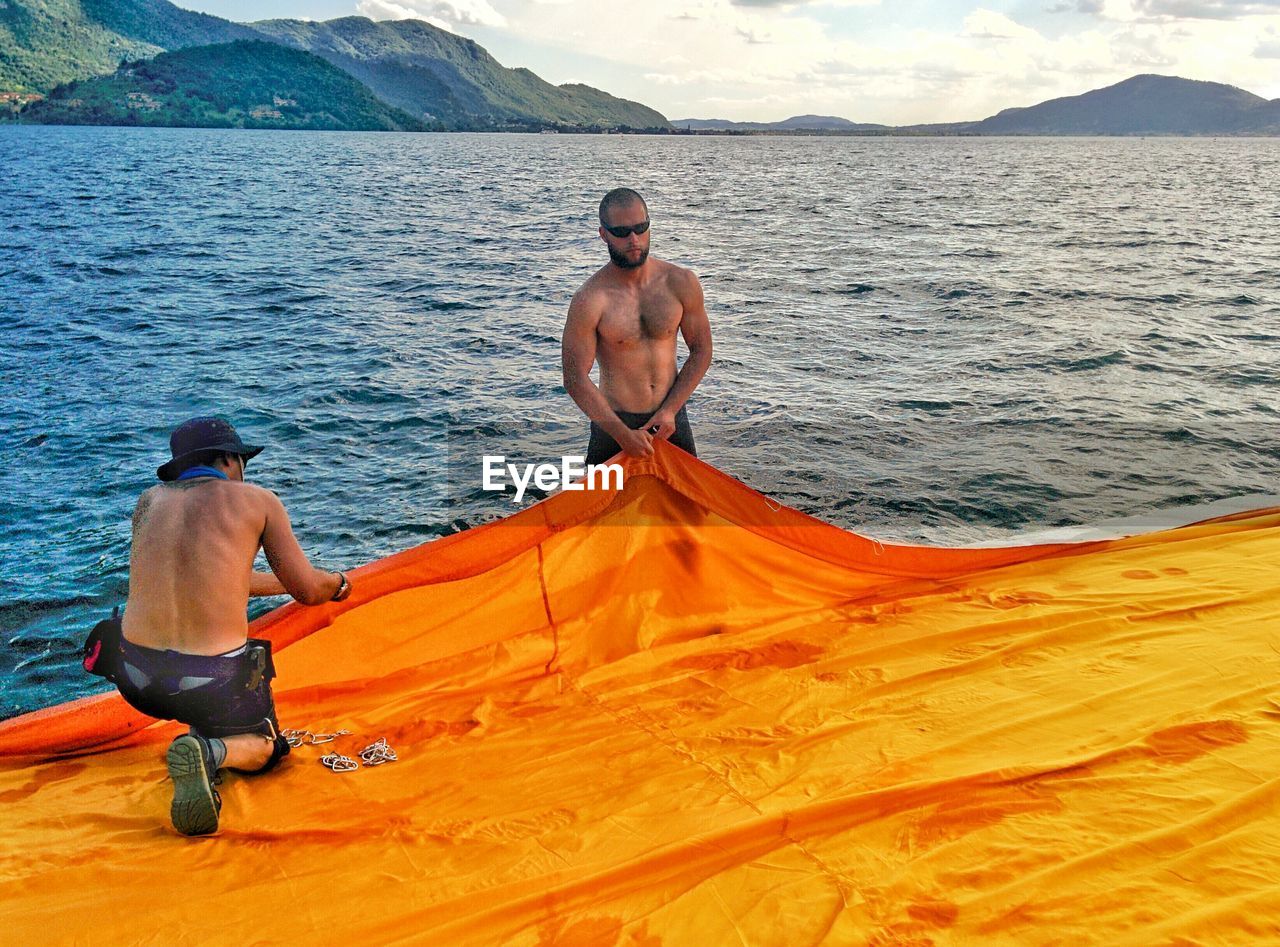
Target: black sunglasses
<point x="628" y="231"/>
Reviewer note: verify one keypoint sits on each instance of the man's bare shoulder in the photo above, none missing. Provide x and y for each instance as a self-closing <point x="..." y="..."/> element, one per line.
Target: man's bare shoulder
<point x="252" y="489"/>
<point x="595" y="284"/>
<point x="249" y="502"/>
<point x="254" y="493"/>
<point x="681" y="280"/>
<point x="145" y="499"/>
<point x="591" y="296"/>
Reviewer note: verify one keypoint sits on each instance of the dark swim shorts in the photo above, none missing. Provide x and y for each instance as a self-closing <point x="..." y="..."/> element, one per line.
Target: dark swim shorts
<point x="217" y="696"/>
<point x="602" y="446"/>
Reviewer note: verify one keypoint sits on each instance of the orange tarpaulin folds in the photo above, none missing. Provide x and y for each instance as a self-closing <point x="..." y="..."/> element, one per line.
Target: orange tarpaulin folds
<point x="680" y="714"/>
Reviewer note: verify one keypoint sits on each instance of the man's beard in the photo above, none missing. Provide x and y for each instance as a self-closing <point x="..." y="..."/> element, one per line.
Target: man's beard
<point x="620" y="260"/>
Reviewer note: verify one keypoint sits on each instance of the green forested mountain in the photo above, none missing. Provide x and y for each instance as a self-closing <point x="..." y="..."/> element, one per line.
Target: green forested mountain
<point x="44" y="42"/>
<point x="162" y="24"/>
<point x="588" y="101"/>
<point x="442" y="79"/>
<point x="243" y="84"/>
<point x="426" y="70"/>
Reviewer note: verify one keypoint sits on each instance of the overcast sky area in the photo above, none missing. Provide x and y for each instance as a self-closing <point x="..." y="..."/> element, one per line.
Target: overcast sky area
<point x="889" y="61"/>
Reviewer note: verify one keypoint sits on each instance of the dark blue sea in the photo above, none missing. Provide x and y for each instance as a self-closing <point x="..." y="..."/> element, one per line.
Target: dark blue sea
<point x="932" y="340"/>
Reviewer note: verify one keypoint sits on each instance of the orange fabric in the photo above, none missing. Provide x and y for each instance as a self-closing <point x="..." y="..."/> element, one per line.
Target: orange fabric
<point x="683" y="715"/>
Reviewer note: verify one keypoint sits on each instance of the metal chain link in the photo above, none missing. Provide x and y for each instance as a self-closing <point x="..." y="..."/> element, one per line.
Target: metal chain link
<point x="317" y="738"/>
<point x="375" y="754"/>
<point x="297" y="738"/>
<point x="339" y="763"/>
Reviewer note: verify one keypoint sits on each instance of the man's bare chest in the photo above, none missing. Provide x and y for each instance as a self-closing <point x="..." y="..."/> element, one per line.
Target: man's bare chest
<point x="649" y="318"/>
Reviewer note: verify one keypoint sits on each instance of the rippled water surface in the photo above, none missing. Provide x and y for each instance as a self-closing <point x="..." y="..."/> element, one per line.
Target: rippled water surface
<point x="936" y="340"/>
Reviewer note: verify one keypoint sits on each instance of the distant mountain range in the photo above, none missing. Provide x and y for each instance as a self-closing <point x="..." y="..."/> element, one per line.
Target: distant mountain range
<point x="1142" y="105"/>
<point x="825" y="123"/>
<point x="441" y="80"/>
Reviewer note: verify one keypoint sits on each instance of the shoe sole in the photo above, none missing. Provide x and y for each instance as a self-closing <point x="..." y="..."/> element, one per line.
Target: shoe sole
<point x="194" y="810"/>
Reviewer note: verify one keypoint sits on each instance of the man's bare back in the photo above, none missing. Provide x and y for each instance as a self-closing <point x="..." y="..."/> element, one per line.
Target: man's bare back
<point x="191" y="564"/>
<point x="626" y="317"/>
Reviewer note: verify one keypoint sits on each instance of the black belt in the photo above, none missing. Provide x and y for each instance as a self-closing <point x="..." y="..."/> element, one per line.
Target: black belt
<point x="250" y="666"/>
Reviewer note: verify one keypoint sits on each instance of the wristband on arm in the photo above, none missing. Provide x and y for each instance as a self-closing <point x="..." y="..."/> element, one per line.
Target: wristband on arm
<point x="344" y="588"/>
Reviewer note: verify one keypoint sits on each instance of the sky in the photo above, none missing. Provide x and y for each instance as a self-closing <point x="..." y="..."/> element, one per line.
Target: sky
<point x="893" y="62"/>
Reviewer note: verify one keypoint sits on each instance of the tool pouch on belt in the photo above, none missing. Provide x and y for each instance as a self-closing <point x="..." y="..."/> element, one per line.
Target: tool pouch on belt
<point x="102" y="647"/>
<point x="258" y="664"/>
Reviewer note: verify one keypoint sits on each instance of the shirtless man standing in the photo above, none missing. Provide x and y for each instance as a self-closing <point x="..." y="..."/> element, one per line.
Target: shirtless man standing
<point x="184" y="651"/>
<point x="626" y="316"/>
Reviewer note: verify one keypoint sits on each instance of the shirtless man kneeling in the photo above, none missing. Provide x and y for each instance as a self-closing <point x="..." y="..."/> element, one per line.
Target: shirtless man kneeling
<point x="626" y="316"/>
<point x="184" y="653"/>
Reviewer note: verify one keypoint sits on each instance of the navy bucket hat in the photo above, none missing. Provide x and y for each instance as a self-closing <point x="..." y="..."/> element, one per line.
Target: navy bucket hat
<point x="199" y="435"/>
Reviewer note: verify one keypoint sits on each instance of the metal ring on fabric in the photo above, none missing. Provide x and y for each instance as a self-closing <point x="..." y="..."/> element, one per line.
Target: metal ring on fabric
<point x="339" y="763"/>
<point x="378" y="753"/>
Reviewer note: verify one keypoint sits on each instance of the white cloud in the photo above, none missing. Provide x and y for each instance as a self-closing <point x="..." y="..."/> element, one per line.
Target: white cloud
<point x="1171" y="11"/>
<point x="1268" y="44"/>
<point x="1206" y="9"/>
<point x="1078" y="6"/>
<point x="447" y="14"/>
<point x="721" y="78"/>
<point x="793" y="4"/>
<point x="987" y="24"/>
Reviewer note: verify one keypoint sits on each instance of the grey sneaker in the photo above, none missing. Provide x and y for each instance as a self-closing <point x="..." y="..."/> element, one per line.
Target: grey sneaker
<point x="196" y="803"/>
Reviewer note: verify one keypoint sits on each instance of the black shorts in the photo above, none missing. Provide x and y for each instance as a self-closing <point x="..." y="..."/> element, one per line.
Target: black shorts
<point x="217" y="696"/>
<point x="601" y="446"/>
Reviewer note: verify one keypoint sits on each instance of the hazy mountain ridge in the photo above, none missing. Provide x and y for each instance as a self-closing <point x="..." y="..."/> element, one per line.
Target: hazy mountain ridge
<point x="795" y="123"/>
<point x="1142" y="105"/>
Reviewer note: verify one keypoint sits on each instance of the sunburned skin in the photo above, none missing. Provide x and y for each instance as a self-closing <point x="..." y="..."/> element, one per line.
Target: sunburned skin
<point x="626" y="318"/>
